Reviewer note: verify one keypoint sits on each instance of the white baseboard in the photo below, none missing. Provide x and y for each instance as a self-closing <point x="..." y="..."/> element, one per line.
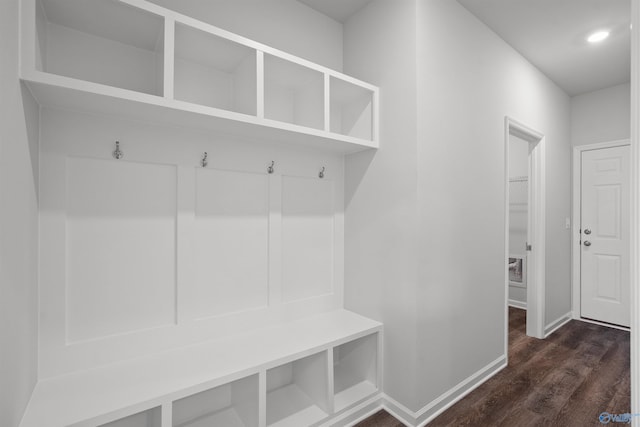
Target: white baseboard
<point x="358" y="413"/>
<point x="445" y="400"/>
<point x="557" y="324"/>
<point x="517" y="304"/>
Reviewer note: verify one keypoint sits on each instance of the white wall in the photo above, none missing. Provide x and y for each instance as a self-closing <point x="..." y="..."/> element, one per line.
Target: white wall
<point x="287" y="25"/>
<point x="601" y="116"/>
<point x="469" y="79"/>
<point x="380" y="199"/>
<point x="425" y="222"/>
<point x="18" y="228"/>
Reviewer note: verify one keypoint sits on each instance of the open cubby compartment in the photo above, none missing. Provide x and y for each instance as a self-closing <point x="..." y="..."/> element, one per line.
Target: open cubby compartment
<point x="293" y="93"/>
<point x="213" y="71"/>
<point x="230" y="405"/>
<point x="355" y="370"/>
<point x="150" y="418"/>
<point x="351" y="109"/>
<point x="100" y="41"/>
<point x="297" y="392"/>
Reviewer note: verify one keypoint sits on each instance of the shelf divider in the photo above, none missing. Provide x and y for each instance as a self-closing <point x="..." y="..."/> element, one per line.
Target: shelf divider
<point x="260" y="83"/>
<point x="169" y="56"/>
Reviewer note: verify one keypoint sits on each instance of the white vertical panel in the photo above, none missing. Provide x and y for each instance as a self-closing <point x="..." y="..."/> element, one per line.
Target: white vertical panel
<point x="231" y="243"/>
<point x="307" y="237"/>
<point x="121" y="227"/>
<point x="608" y="210"/>
<point x="608" y="285"/>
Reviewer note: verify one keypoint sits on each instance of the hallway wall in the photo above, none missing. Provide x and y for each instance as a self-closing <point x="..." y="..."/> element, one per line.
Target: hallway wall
<point x="380" y="189"/>
<point x="601" y="116"/>
<point x="18" y="228"/>
<point x="469" y="79"/>
<point x="425" y="214"/>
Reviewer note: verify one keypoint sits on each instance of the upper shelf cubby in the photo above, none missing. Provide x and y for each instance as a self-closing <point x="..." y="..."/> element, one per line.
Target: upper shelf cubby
<point x="213" y="71"/>
<point x="100" y="41"/>
<point x="293" y="93"/>
<point x="134" y="58"/>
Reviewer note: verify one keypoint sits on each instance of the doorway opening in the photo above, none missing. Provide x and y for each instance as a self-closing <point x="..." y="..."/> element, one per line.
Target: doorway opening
<point x="531" y="268"/>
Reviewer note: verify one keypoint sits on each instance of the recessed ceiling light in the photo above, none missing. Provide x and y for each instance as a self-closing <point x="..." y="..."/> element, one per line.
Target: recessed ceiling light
<point x="598" y="36"/>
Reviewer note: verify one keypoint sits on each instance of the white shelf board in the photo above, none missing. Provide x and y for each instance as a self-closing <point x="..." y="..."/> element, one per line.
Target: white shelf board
<point x="354" y="394"/>
<point x="63" y="92"/>
<point x="289" y="406"/>
<point x="131" y="386"/>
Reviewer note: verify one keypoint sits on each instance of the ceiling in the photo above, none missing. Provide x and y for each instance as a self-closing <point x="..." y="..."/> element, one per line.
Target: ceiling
<point x="340" y="10"/>
<point x="551" y="35"/>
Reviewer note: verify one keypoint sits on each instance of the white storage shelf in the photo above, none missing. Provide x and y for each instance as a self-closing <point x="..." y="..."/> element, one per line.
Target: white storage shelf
<point x="297" y="392"/>
<point x="150" y="418"/>
<point x="134" y="58"/>
<point x="219" y="383"/>
<point x="230" y="405"/>
<point x="355" y="371"/>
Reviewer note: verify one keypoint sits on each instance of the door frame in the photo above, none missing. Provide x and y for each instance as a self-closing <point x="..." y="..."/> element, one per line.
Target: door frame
<point x="635" y="210"/>
<point x="576" y="197"/>
<point x="536" y="227"/>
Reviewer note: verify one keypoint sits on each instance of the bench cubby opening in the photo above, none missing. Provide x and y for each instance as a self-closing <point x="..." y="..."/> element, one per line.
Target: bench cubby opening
<point x="355" y="370"/>
<point x="231" y="405"/>
<point x="297" y="392"/>
<point x="150" y="418"/>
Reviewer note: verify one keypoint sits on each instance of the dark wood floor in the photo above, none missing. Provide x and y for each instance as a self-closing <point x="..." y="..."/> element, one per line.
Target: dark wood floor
<point x="567" y="380"/>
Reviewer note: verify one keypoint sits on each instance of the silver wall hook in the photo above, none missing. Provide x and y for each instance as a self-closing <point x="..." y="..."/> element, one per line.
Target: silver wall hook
<point x="321" y="174"/>
<point x="270" y="168"/>
<point x="118" y="153"/>
<point x="204" y="161"/>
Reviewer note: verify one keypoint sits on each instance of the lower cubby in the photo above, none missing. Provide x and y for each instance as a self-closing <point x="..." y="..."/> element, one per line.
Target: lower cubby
<point x="229" y="405"/>
<point x="150" y="418"/>
<point x="355" y="371"/>
<point x="297" y="392"/>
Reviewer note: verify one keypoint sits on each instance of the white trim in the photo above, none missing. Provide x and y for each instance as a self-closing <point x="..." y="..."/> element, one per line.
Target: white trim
<point x="608" y="325"/>
<point x="517" y="304"/>
<point x="536" y="228"/>
<point x="398" y="410"/>
<point x="557" y="324"/>
<point x="575" y="216"/>
<point x="635" y="210"/>
<point x="351" y="412"/>
<point x="443" y="402"/>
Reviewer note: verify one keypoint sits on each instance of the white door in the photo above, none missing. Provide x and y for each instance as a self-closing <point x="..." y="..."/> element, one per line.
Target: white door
<point x="604" y="262"/>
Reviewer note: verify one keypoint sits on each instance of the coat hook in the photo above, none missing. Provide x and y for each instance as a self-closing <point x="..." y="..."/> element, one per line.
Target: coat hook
<point x="204" y="161"/>
<point x="118" y="153"/>
<point x="321" y="174"/>
<point x="270" y="168"/>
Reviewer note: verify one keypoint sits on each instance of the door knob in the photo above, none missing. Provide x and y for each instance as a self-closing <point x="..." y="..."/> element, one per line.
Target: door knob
<point x="587" y="231"/>
<point x="587" y="243"/>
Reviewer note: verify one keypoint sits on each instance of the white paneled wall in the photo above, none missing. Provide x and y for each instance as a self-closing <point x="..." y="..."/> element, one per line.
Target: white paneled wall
<point x="231" y="243"/>
<point x="120" y="247"/>
<point x="153" y="251"/>
<point x="307" y="237"/>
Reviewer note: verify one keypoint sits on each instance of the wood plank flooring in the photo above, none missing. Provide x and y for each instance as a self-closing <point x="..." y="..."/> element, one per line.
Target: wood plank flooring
<point x="567" y="380"/>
